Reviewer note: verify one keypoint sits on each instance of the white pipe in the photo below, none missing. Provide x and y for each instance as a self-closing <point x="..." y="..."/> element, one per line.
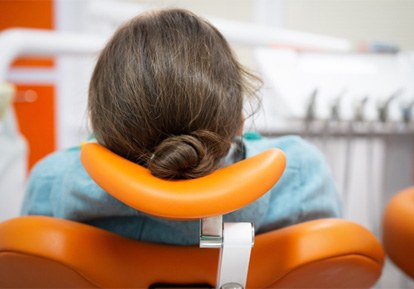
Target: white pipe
<point x="237" y="32"/>
<point x="36" y="42"/>
<point x="261" y="35"/>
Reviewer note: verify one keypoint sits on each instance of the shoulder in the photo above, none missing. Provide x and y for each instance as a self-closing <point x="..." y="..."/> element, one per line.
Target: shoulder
<point x="306" y="168"/>
<point x="306" y="189"/>
<point x="298" y="151"/>
<point x="45" y="178"/>
<point x="51" y="170"/>
<point x="286" y="143"/>
<point x="55" y="163"/>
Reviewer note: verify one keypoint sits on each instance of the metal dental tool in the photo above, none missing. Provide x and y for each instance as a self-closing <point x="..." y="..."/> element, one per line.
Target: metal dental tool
<point x="384" y="109"/>
<point x="310" y="113"/>
<point x="407" y="112"/>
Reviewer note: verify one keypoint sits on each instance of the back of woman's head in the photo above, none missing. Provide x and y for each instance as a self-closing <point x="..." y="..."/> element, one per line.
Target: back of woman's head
<point x="167" y="93"/>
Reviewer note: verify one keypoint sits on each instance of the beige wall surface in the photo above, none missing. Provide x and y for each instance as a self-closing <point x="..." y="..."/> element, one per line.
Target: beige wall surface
<point x="230" y="9"/>
<point x="356" y="20"/>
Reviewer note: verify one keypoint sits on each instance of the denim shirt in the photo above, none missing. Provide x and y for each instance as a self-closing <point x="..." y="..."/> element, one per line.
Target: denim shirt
<point x="60" y="187"/>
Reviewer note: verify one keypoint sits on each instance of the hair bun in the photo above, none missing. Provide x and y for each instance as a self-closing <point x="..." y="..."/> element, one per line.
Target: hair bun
<point x="186" y="156"/>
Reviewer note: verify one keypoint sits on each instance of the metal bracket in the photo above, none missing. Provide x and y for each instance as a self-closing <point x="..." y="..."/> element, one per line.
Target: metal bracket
<point x="211" y="232"/>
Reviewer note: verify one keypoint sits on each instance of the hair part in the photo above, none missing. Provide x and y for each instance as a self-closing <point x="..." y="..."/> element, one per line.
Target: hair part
<point x="167" y="93"/>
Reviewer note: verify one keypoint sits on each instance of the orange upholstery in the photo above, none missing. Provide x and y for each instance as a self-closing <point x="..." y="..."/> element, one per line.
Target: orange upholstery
<point x="398" y="230"/>
<point x="44" y="252"/>
<point x="221" y="192"/>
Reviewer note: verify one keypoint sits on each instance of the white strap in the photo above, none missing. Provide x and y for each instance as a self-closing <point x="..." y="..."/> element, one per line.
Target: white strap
<point x="238" y="239"/>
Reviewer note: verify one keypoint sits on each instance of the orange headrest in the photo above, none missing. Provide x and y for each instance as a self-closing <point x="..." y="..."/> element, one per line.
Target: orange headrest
<point x="223" y="191"/>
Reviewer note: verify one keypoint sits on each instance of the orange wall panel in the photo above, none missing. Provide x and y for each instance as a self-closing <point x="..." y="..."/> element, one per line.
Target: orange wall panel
<point x="27" y="14"/>
<point x="34" y="106"/>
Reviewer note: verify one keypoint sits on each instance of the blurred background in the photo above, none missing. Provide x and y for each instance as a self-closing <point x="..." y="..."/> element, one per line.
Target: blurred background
<point x="340" y="73"/>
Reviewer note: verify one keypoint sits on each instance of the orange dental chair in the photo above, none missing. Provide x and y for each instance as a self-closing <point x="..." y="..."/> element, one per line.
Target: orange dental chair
<point x="398" y="230"/>
<point x="45" y="252"/>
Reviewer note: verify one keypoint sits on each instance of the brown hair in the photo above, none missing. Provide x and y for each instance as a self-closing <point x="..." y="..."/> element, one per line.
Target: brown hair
<point x="168" y="93"/>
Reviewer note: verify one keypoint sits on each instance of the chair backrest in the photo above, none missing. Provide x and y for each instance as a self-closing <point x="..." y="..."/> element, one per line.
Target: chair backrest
<point x="398" y="230"/>
<point x="45" y="252"/>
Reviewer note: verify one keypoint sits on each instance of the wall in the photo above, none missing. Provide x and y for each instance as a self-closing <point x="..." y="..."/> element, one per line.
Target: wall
<point x="356" y="20"/>
<point x="34" y="101"/>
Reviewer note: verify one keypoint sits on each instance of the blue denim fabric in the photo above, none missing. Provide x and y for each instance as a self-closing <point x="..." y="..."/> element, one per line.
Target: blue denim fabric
<point x="59" y="186"/>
